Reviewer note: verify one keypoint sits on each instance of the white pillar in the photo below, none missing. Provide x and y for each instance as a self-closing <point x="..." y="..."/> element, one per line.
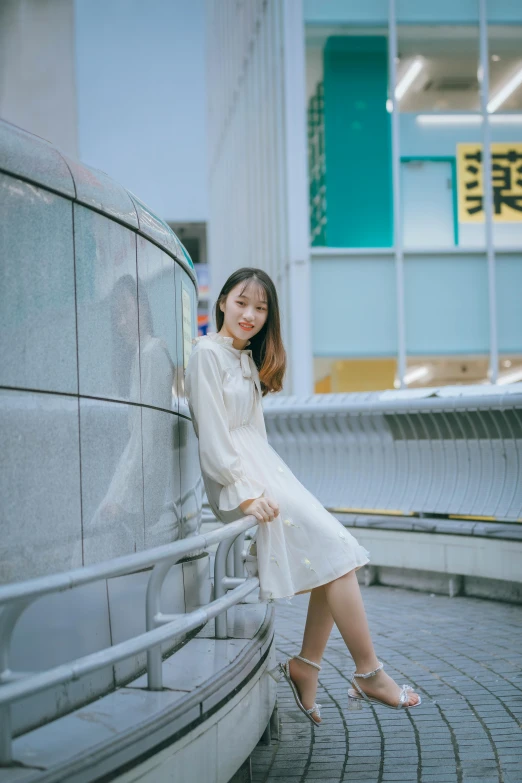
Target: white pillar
<point x="487" y="188"/>
<point x="258" y="178"/>
<point x="396" y="201"/>
<point x="297" y="266"/>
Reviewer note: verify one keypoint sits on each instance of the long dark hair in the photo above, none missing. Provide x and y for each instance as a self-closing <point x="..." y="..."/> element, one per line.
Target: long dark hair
<point x="267" y="346"/>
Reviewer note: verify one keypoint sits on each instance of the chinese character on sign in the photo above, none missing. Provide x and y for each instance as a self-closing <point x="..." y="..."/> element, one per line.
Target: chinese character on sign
<point x="506" y="174"/>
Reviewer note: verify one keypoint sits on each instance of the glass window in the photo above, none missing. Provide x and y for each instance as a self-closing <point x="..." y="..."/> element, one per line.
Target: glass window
<point x="505" y="69"/>
<point x="437" y="68"/>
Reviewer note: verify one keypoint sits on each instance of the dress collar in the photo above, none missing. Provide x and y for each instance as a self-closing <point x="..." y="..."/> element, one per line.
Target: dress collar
<point x="244" y="355"/>
<point x="220" y="338"/>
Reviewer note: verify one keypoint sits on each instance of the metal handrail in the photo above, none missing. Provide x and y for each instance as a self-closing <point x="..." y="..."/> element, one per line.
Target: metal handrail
<point x="55" y="583"/>
<point x="17" y="597"/>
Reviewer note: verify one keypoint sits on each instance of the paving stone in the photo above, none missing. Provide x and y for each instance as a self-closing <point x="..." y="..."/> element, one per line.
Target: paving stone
<point x="478" y="778"/>
<point x="362" y="770"/>
<point x="442" y="768"/>
<point x="439" y="779"/>
<point x="467" y="681"/>
<point x="359" y="779"/>
<point x="401" y="777"/>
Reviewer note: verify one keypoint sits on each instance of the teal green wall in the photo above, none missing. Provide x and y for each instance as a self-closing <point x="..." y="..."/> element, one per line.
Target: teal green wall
<point x="357" y="142"/>
<point x="327" y="12"/>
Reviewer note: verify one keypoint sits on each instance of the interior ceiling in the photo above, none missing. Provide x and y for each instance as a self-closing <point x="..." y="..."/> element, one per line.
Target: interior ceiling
<point x="448" y="80"/>
<point x="450" y="54"/>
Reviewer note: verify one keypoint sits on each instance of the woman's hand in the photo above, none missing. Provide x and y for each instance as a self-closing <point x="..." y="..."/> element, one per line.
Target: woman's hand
<point x="263" y="509"/>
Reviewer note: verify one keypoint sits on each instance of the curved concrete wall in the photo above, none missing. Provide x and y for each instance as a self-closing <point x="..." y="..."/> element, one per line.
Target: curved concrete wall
<point x="428" y="480"/>
<point x="99" y="457"/>
<point x="448" y="451"/>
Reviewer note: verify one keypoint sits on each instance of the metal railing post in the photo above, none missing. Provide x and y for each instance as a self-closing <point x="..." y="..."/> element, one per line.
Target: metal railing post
<point x="152" y="612"/>
<point x="230" y="562"/>
<point x="6" y="742"/>
<point x="220" y="571"/>
<point x="239" y="563"/>
<point x="8" y="620"/>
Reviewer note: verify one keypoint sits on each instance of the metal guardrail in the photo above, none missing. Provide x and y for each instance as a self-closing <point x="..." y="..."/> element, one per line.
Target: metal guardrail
<point x="15" y="598"/>
<point x="453" y="451"/>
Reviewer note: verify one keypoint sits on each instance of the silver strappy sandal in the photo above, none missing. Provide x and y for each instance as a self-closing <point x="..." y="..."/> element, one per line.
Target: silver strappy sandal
<point x="283" y="670"/>
<point x="355" y="701"/>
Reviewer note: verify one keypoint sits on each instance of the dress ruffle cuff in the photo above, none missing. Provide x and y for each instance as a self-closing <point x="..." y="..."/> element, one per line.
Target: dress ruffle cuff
<point x="242" y="489"/>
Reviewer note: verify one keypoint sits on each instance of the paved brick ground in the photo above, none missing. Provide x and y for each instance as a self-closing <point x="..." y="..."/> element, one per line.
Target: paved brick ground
<point x="464" y="655"/>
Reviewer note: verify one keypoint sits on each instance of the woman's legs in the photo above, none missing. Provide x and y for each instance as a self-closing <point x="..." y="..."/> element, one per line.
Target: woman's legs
<point x="344" y="600"/>
<point x="319" y="624"/>
<point x="340" y="601"/>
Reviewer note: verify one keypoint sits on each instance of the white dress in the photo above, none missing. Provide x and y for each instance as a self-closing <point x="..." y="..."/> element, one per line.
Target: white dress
<point x="304" y="546"/>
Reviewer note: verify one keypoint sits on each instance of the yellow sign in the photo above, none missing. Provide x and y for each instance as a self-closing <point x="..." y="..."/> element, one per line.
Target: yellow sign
<point x="506" y="170"/>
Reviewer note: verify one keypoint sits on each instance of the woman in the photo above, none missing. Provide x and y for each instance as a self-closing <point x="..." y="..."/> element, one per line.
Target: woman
<point x="301" y="547"/>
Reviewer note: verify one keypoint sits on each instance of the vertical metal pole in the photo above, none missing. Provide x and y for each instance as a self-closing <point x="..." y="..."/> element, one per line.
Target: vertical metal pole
<point x="396" y="202"/>
<point x="8" y="619"/>
<point x="230" y="562"/>
<point x="488" y="191"/>
<point x="239" y="563"/>
<point x="6" y="746"/>
<point x="220" y="570"/>
<point x="152" y="609"/>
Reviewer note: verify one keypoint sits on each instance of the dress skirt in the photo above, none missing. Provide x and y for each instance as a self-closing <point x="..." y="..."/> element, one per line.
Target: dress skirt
<point x="304" y="546"/>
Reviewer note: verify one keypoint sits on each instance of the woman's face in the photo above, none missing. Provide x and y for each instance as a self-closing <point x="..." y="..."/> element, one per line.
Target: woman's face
<point x="245" y="313"/>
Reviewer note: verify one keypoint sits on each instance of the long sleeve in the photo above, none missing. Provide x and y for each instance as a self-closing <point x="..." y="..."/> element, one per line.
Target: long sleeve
<point x="218" y="457"/>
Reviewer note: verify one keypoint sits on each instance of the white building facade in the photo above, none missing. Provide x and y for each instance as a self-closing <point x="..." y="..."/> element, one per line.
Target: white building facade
<point x="391" y="285"/>
<point x="258" y="180"/>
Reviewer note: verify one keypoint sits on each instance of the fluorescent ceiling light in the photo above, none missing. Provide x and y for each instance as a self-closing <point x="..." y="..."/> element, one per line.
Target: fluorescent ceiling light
<point x="468" y="119"/>
<point x="407" y="80"/>
<point x="506" y="119"/>
<point x="417" y="374"/>
<point x="503" y="94"/>
<point x="449" y="119"/>
<point x="510" y="377"/>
